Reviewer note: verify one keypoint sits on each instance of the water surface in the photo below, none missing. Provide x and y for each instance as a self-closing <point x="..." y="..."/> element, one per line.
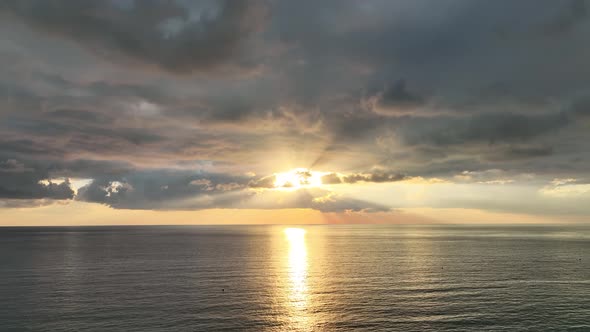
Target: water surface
<point x="261" y="278"/>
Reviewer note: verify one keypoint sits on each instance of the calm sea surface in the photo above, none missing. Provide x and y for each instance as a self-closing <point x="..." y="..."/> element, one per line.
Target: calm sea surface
<point x="261" y="278"/>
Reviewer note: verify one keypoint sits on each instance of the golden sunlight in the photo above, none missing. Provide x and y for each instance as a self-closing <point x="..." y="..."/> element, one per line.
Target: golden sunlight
<point x="295" y="234"/>
<point x="298" y="178"/>
<point x="297" y="264"/>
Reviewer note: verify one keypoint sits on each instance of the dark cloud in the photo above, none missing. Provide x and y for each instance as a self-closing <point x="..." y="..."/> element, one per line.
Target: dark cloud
<point x="38" y="182"/>
<point x="162" y="189"/>
<point x="162" y="33"/>
<point x="565" y="22"/>
<point x="78" y="116"/>
<point x="580" y="108"/>
<point x="13" y="166"/>
<point x="522" y="152"/>
<point x="342" y="86"/>
<point x="376" y="177"/>
<point x="488" y="128"/>
<point x="398" y="96"/>
<point x="20" y="181"/>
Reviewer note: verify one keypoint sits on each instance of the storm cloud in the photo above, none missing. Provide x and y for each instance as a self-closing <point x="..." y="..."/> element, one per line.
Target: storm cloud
<point x="167" y="34"/>
<point x="20" y="182"/>
<point x="198" y="104"/>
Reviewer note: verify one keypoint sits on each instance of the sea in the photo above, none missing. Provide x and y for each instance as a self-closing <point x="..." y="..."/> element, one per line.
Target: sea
<point x="295" y="278"/>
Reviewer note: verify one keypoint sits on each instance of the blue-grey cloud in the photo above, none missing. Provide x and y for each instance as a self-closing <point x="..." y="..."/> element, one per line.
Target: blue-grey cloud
<point x="140" y="97"/>
<point x="168" y="34"/>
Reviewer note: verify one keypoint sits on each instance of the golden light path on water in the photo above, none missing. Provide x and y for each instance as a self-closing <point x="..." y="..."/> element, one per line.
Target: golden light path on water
<point x="297" y="269"/>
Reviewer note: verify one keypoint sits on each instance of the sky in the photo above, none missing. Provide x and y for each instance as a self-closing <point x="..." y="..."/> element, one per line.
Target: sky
<point x="332" y="111"/>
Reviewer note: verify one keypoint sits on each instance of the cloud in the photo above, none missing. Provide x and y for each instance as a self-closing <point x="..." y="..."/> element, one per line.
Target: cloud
<point x="516" y="152"/>
<point x="559" y="182"/>
<point x="35" y="180"/>
<point x="177" y="38"/>
<point x="481" y="128"/>
<point x="566" y="188"/>
<point x="311" y="198"/>
<point x="23" y="181"/>
<point x="167" y="104"/>
<point x="31" y="186"/>
<point x="491" y="177"/>
<point x="162" y="189"/>
<point x="140" y="193"/>
<point x="567" y="21"/>
<point x="377" y="177"/>
<point x="396" y="99"/>
<point x="13" y="166"/>
<point x="185" y="190"/>
<point x="580" y="108"/>
<point x="263" y="182"/>
<point x="26" y="203"/>
<point x="330" y="178"/>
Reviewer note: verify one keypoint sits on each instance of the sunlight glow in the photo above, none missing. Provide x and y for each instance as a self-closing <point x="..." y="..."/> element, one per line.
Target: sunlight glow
<point x="298" y="178"/>
<point x="297" y="264"/>
<point x="295" y="234"/>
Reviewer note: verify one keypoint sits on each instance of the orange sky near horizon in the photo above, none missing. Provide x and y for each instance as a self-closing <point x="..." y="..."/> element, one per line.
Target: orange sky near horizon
<point x="90" y="214"/>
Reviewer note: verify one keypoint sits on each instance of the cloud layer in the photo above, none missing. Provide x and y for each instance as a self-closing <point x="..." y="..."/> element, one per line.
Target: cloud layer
<point x="196" y="104"/>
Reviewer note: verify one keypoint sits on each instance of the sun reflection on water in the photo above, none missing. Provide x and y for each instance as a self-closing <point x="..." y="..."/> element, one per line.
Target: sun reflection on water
<point x="297" y="270"/>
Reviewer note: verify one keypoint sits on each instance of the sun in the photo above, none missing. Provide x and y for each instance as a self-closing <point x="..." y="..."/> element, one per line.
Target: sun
<point x="295" y="234"/>
<point x="298" y="178"/>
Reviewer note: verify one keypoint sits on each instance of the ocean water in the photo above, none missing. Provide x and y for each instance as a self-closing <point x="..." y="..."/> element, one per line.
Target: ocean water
<point x="263" y="278"/>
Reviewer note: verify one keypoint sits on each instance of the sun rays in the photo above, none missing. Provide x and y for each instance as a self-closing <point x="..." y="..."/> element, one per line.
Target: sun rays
<point x="298" y="178"/>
